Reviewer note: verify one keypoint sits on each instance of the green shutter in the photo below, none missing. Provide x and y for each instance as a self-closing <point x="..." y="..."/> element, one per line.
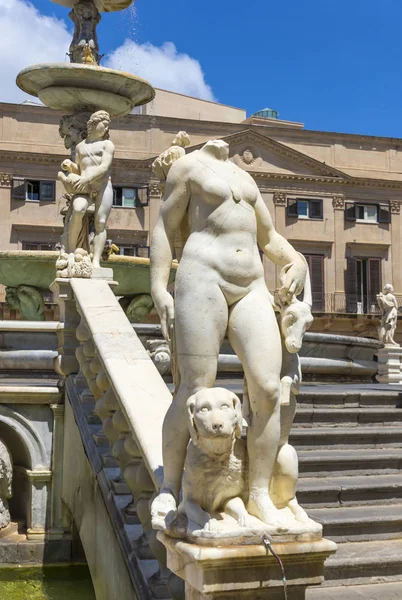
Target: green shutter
<point x="18" y="188"/>
<point x="384" y="213"/>
<point x="350" y="211"/>
<point x="292" y="208"/>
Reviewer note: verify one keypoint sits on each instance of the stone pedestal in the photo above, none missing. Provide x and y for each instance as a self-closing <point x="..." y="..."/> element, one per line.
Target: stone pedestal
<point x="247" y="572"/>
<point x="390" y="365"/>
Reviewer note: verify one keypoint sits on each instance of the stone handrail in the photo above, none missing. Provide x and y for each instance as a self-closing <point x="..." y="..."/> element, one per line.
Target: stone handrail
<point x="99" y="345"/>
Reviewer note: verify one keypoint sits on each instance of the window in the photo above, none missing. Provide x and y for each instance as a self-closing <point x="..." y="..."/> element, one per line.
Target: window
<point x="141" y="251"/>
<point x="362" y="284"/>
<point x="316" y="269"/>
<point x="33" y="190"/>
<point x="367" y="213"/>
<point x="130" y="197"/>
<point x="37" y="246"/>
<point x="301" y="208"/>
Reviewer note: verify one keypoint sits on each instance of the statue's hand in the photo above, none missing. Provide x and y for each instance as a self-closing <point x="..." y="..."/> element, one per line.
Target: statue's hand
<point x="81" y="186"/>
<point x="292" y="278"/>
<point x="165" y="307"/>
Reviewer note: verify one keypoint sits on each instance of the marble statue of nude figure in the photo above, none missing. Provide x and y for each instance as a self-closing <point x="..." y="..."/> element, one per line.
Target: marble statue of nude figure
<point x="220" y="288"/>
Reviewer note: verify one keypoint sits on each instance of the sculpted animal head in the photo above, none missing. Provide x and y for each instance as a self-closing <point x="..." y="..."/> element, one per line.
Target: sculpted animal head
<point x="214" y="413"/>
<point x="296" y="318"/>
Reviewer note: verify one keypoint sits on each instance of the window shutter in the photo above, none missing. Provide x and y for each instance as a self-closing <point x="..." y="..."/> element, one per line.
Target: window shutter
<point x="292" y="208"/>
<point x="350" y="211"/>
<point x="316" y="266"/>
<point x="351" y="285"/>
<point x="47" y="191"/>
<point x="374" y="286"/>
<point x="384" y="213"/>
<point x="316" y="209"/>
<point x="143" y="196"/>
<point x="18" y="189"/>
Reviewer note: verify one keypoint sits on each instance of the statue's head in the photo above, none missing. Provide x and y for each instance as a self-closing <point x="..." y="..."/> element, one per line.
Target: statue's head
<point x="219" y="148"/>
<point x="182" y="139"/>
<point x="12" y="299"/>
<point x="98" y="125"/>
<point x="388" y="289"/>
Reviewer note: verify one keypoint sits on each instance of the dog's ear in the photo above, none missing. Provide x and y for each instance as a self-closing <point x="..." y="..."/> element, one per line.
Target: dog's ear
<point x="239" y="415"/>
<point x="191" y="422"/>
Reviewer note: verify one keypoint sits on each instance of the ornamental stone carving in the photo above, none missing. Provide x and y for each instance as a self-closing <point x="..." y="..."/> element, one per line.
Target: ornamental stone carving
<point x="248" y="157"/>
<point x="280" y="198"/>
<point x="28" y="300"/>
<point x="338" y="202"/>
<point x="395" y="207"/>
<point x="5" y="180"/>
<point x="6" y="476"/>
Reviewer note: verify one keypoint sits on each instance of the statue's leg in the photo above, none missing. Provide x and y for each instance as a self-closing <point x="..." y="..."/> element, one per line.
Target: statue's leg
<point x="74" y="225"/>
<point x="201" y="314"/>
<point x="103" y="206"/>
<point x="254" y="335"/>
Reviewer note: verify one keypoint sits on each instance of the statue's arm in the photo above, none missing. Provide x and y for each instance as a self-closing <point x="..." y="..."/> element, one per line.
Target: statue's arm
<point x="277" y="249"/>
<point x="175" y="202"/>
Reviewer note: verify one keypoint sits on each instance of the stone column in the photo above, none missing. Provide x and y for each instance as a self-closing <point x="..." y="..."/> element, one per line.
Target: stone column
<point x="58" y="516"/>
<point x="280" y="202"/>
<point x="396" y="245"/>
<point x="390" y="365"/>
<point x="155" y="197"/>
<point x="66" y="362"/>
<point x="247" y="572"/>
<point x="39" y="480"/>
<point x="338" y="202"/>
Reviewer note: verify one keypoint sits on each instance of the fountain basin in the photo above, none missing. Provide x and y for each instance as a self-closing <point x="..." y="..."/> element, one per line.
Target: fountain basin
<point x="71" y="87"/>
<point x="37" y="269"/>
<point x="101" y="5"/>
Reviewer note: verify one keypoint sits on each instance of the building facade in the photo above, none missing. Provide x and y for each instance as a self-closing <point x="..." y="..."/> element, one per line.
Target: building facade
<point x="336" y="197"/>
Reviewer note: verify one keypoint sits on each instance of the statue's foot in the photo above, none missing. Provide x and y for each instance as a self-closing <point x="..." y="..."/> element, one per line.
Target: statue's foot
<point x="299" y="513"/>
<point x="163" y="509"/>
<point x="261" y="506"/>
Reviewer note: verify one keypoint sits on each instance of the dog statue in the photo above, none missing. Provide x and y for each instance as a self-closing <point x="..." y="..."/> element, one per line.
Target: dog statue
<point x="215" y="471"/>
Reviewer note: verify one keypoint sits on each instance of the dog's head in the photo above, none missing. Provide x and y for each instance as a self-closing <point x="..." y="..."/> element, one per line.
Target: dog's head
<point x="214" y="414"/>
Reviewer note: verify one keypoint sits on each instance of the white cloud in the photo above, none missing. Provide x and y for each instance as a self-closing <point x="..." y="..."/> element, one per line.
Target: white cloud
<point x="27" y="38"/>
<point x="163" y="67"/>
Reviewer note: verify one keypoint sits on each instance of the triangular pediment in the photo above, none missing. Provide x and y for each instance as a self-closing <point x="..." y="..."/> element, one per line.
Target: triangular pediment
<point x="258" y="153"/>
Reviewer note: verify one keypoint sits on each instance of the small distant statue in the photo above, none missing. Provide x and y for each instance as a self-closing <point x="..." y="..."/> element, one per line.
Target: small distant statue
<point x="6" y="478"/>
<point x="161" y="166"/>
<point x="389" y="307"/>
<point x="84" y="47"/>
<point x="87" y="183"/>
<point x="28" y="301"/>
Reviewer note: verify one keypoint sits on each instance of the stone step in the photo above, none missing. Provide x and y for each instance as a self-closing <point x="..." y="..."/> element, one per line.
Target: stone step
<point x="358" y="490"/>
<point x="360" y="523"/>
<point x="307" y="415"/>
<point x="379" y="591"/>
<point x="361" y="437"/>
<point x="324" y="463"/>
<point x="357" y="563"/>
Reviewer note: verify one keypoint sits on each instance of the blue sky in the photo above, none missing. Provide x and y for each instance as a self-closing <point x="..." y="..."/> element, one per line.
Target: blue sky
<point x="334" y="65"/>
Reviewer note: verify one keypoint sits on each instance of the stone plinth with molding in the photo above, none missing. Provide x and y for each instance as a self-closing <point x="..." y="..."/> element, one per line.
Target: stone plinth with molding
<point x="247" y="572"/>
<point x="390" y="365"/>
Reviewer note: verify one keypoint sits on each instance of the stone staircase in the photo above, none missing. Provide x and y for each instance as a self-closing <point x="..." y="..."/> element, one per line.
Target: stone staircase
<point x="349" y="441"/>
<point x="141" y="563"/>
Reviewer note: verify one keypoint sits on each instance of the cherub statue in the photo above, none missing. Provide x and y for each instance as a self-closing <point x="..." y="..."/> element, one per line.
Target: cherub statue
<point x="88" y="182"/>
<point x="389" y="307"/>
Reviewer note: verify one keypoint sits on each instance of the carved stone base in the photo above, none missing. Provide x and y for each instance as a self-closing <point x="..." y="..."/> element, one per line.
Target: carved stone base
<point x="247" y="572"/>
<point x="390" y="365"/>
<point x="102" y="273"/>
